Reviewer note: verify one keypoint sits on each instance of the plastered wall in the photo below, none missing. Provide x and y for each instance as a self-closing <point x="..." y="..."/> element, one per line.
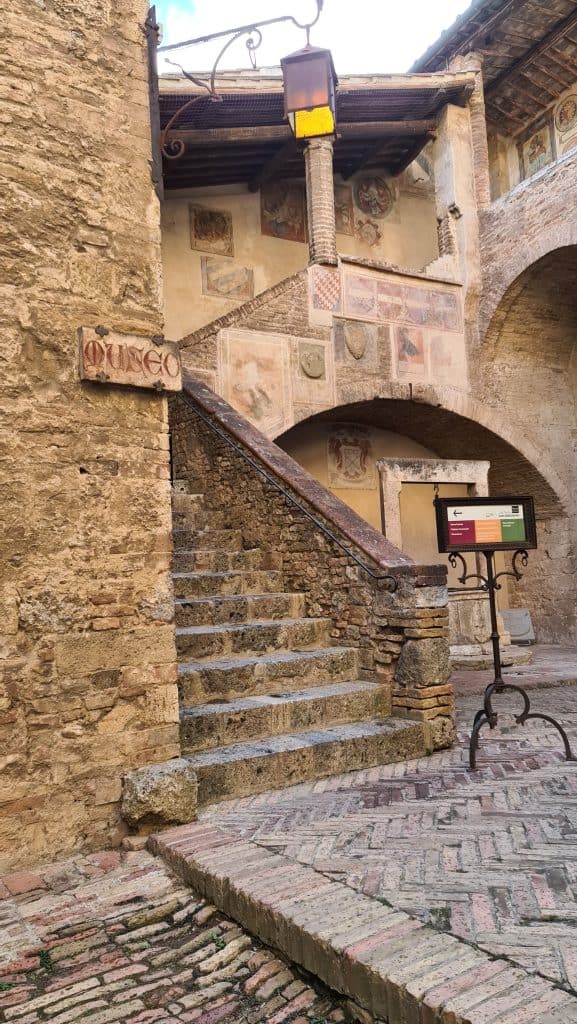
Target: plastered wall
<point x="535" y="146"/>
<point x="87" y="658"/>
<point x="406" y="236"/>
<point x="310" y="445"/>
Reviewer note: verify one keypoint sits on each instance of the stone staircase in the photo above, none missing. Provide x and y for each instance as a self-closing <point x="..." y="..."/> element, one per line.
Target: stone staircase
<point x="266" y="700"/>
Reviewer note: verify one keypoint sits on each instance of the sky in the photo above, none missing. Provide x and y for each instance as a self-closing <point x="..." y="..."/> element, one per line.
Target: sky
<point x="365" y="36"/>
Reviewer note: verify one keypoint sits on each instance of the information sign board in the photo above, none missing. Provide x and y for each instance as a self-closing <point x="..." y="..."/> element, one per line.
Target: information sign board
<point x="482" y="524"/>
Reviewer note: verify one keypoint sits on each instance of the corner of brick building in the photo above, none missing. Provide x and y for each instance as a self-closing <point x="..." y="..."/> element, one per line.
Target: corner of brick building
<point x="87" y="655"/>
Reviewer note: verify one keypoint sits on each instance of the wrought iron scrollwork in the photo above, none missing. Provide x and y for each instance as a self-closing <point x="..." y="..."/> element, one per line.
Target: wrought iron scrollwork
<point x="466" y="575"/>
<point x="172" y="146"/>
<point x="487" y="714"/>
<point x="514" y="573"/>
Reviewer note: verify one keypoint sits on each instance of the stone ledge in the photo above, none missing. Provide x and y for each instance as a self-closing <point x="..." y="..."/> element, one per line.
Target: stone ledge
<point x="392" y="965"/>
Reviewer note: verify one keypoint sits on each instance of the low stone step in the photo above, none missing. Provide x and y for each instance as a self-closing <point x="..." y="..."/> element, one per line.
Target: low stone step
<point x="241" y="769"/>
<point x="199" y="584"/>
<point x="233" y="677"/>
<point x="217" y="561"/>
<point x="394" y="966"/>
<point x="251" y="637"/>
<point x="183" y="502"/>
<point x="204" y="519"/>
<point x="203" y="540"/>
<point x="189" y="511"/>
<point x="207" y="726"/>
<point x="225" y="608"/>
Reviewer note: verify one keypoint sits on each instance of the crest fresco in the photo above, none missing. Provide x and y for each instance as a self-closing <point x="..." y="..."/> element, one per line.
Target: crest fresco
<point x="373" y="196"/>
<point x="351" y="460"/>
<point x="282" y="211"/>
<point x="211" y="230"/>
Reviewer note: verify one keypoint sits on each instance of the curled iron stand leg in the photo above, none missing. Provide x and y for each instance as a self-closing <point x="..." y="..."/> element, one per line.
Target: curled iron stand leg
<point x="480" y="720"/>
<point x="547" y="718"/>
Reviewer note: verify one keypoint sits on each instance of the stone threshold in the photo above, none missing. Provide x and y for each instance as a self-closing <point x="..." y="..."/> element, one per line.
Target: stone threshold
<point x="392" y="965"/>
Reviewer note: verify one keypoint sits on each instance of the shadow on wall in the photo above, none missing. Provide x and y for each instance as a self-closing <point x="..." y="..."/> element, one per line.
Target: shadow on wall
<point x="340" y="448"/>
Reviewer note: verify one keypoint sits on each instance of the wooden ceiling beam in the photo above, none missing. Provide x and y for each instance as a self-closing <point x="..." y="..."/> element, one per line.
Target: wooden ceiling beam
<point x="205" y="137"/>
<point x="411" y="155"/>
<point x="273" y="165"/>
<point x="480" y="28"/>
<point x="539" y="48"/>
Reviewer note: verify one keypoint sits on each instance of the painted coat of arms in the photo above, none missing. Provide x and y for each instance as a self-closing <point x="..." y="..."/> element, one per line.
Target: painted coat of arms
<point x="373" y="196"/>
<point x="282" y="211"/>
<point x="211" y="230"/>
<point x="351" y="461"/>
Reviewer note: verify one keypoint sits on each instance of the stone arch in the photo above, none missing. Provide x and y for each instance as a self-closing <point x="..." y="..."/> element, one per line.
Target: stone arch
<point x="452" y="425"/>
<point x="487" y="430"/>
<point x="454" y="428"/>
<point x="503" y="266"/>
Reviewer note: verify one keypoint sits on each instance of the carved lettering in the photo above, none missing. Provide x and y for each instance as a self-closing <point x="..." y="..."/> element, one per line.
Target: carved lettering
<point x="125" y="359"/>
<point x="152" y="363"/>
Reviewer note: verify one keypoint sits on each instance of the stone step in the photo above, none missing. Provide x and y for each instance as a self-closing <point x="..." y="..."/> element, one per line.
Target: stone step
<point x="189" y="511"/>
<point x="213" y="584"/>
<point x="184" y="502"/>
<point x="396" y="967"/>
<point x="203" y="519"/>
<point x="224" y="608"/>
<point x="242" y="769"/>
<point x="207" y="726"/>
<point x="207" y="540"/>
<point x="228" y="678"/>
<point x="260" y="637"/>
<point x="217" y="561"/>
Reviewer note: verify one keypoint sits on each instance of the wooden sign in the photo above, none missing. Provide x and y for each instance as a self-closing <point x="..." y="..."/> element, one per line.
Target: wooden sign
<point x="137" y="362"/>
<point x="485" y="524"/>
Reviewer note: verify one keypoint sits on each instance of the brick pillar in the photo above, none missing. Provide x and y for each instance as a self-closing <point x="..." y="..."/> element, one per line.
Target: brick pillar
<point x="474" y="62"/>
<point x="320" y="201"/>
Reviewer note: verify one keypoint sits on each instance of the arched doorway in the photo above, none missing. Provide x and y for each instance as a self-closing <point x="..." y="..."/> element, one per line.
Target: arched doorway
<point x="409" y="429"/>
<point x="529" y="366"/>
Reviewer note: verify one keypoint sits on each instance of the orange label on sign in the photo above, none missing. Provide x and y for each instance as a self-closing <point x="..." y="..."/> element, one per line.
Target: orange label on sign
<point x="488" y="531"/>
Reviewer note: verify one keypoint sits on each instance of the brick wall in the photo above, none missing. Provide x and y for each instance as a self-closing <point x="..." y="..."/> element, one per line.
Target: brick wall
<point x="402" y="637"/>
<point x="528" y="323"/>
<point x="87" y="660"/>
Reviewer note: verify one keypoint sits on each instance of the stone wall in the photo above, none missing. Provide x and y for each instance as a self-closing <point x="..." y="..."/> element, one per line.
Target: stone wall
<point x="402" y="636"/>
<point x="87" y="659"/>
<point x="528" y="323"/>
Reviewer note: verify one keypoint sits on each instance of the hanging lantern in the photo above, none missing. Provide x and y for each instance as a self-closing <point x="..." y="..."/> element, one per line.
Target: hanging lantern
<point x="309" y="92"/>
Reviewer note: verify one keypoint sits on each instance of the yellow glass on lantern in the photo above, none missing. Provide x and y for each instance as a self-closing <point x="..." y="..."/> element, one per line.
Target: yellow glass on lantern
<point x="309" y="92"/>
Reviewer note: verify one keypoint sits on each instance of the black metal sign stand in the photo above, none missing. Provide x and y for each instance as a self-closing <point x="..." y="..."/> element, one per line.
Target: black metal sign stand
<point x="487" y="715"/>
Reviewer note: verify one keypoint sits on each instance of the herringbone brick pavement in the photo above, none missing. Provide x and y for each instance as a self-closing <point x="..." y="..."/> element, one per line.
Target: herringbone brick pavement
<point x="489" y="856"/>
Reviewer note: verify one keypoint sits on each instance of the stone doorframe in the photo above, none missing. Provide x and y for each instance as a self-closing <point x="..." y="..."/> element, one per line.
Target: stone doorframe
<point x="393" y="473"/>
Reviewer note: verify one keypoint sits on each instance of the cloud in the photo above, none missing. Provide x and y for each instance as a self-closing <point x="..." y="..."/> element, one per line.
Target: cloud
<point x="367" y="36"/>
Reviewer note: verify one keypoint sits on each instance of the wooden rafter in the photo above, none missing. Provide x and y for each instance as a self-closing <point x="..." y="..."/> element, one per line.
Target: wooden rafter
<point x="273" y="165"/>
<point x="539" y="48"/>
<point x="204" y="137"/>
<point x="412" y="154"/>
<point x="378" y="149"/>
<point x="483" y="28"/>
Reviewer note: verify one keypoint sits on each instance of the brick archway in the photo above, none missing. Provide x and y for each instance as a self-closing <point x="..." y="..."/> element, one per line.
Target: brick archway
<point x="518" y="230"/>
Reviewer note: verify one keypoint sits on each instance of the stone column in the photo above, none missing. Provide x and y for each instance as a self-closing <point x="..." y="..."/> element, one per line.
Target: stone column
<point x="474" y="62"/>
<point x="320" y="201"/>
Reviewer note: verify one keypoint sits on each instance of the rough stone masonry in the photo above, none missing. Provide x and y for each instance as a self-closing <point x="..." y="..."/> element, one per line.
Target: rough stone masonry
<point x="87" y="659"/>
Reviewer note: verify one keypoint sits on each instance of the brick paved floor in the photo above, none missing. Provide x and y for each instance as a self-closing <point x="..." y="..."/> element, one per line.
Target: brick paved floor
<point x="114" y="937"/>
<point x="490" y="856"/>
